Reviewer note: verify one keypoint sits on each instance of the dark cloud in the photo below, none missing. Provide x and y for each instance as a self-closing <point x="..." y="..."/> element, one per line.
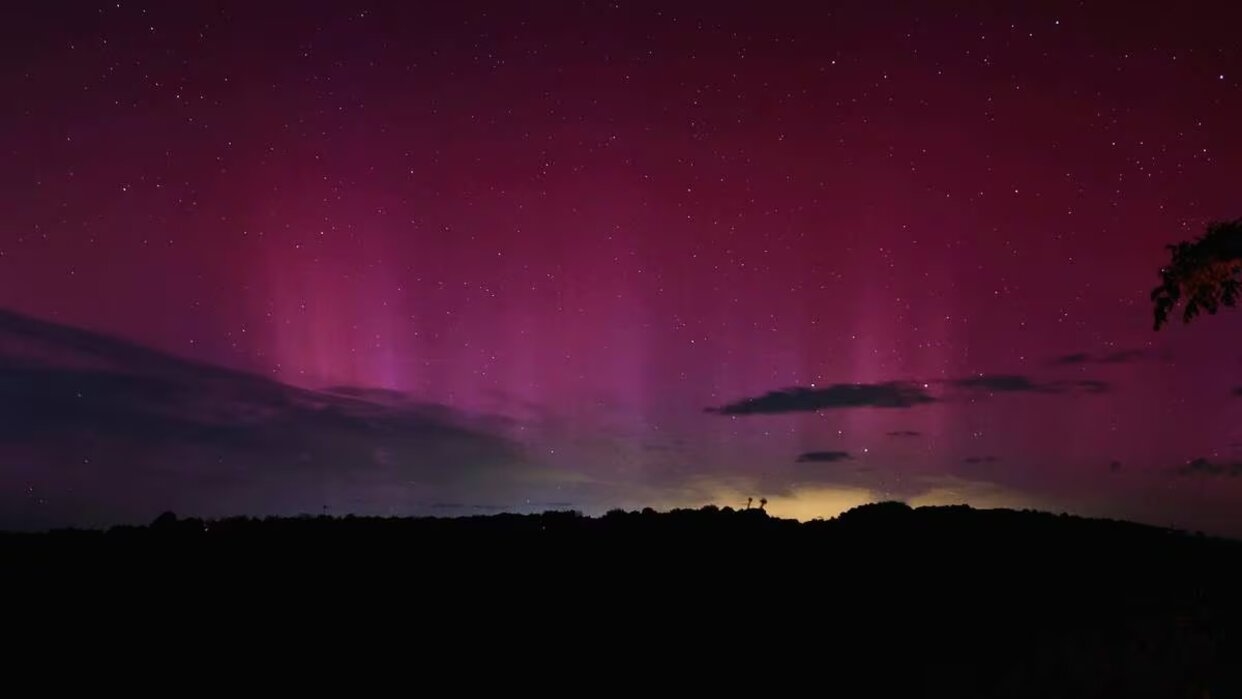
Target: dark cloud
<point x="1072" y="359"/>
<point x="1114" y="466"/>
<point x="826" y="457"/>
<point x="121" y="433"/>
<point x="980" y="460"/>
<point x="1014" y="383"/>
<point x="904" y="433"/>
<point x="1002" y="383"/>
<point x="1117" y="357"/>
<point x="1088" y="385"/>
<point x="1237" y="391"/>
<point x="1123" y="357"/>
<point x="894" y="394"/>
<point x="1205" y="467"/>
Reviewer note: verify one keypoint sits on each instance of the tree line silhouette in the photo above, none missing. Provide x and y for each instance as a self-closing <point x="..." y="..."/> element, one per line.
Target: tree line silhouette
<point x="929" y="601"/>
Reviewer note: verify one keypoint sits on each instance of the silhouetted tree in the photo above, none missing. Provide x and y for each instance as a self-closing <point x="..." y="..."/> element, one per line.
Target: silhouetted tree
<point x="748" y="502"/>
<point x="165" y="520"/>
<point x="1202" y="274"/>
<point x="763" y="502"/>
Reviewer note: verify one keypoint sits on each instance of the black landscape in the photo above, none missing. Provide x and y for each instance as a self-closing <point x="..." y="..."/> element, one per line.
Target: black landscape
<point x="986" y="603"/>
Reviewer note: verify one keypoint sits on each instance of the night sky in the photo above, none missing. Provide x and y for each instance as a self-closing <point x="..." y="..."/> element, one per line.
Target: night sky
<point x="605" y="254"/>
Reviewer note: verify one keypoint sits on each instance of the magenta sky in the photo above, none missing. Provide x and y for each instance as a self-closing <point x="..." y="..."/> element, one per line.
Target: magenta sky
<point x="589" y="222"/>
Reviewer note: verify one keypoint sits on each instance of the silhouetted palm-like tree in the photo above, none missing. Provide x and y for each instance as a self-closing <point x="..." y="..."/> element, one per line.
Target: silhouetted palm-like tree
<point x="748" y="501"/>
<point x="763" y="502"/>
<point x="1202" y="274"/>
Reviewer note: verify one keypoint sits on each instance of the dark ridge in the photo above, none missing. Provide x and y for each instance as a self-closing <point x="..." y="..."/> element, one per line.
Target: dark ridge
<point x="933" y="601"/>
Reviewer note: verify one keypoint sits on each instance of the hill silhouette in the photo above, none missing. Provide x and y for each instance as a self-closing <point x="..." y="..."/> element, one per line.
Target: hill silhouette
<point x="933" y="601"/>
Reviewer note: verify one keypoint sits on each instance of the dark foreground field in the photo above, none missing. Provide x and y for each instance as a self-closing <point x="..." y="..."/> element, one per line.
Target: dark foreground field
<point x="945" y="601"/>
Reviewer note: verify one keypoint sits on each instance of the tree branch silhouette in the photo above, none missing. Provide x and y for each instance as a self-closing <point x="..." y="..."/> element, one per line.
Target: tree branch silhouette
<point x="1202" y="274"/>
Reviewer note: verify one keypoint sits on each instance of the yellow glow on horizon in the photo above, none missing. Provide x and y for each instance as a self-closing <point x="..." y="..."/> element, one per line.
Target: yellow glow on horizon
<point x="801" y="503"/>
<point x="978" y="494"/>
<point x="811" y="501"/>
<point x="822" y="501"/>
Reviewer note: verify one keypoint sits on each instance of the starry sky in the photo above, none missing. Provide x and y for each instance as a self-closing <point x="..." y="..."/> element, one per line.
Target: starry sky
<point x="601" y="254"/>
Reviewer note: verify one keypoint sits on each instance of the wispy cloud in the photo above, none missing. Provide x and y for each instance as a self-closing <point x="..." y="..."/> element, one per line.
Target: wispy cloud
<point x="1016" y="383"/>
<point x="897" y="394"/>
<point x="1089" y="385"/>
<point x="894" y="394"/>
<point x="1116" y="357"/>
<point x="824" y="457"/>
<point x="1205" y="467"/>
<point x="1002" y="383"/>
